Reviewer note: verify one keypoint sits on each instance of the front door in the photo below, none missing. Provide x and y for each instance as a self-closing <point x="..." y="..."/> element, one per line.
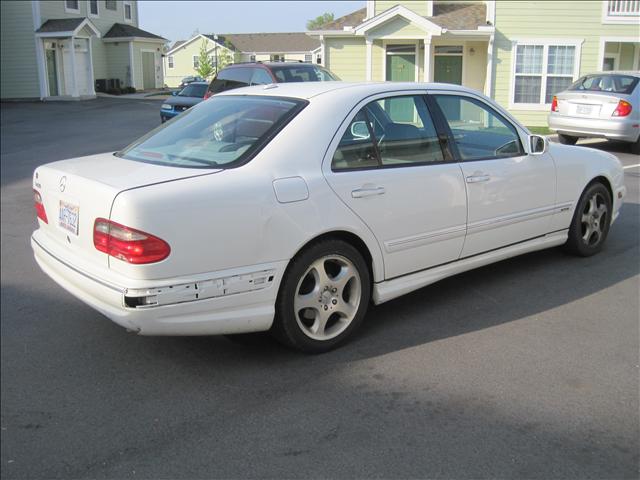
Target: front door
<point x="401" y="67"/>
<point x="511" y="194"/>
<point x="52" y="72"/>
<point x="448" y="69"/>
<point x="82" y="66"/>
<point x="148" y="70"/>
<point x="393" y="175"/>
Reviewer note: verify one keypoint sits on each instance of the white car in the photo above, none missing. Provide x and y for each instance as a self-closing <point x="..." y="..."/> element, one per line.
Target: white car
<point x="291" y="207"/>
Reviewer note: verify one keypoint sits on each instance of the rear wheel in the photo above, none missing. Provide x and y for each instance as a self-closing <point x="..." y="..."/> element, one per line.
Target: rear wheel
<point x="591" y="221"/>
<point x="567" y="139"/>
<point x="323" y="297"/>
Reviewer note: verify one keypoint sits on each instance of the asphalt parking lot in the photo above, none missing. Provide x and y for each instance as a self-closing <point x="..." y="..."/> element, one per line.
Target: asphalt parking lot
<point x="523" y="369"/>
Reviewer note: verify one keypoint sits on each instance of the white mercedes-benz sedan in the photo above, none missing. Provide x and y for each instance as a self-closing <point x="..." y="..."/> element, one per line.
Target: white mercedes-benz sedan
<point x="291" y="207"/>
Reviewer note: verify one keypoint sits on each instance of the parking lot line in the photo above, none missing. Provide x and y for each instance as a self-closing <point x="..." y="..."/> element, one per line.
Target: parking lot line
<point x="631" y="166"/>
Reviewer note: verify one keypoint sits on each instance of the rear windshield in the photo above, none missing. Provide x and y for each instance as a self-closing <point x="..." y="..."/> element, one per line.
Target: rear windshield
<point x="192" y="90"/>
<point x="303" y="73"/>
<point x="623" y="84"/>
<point x="221" y="132"/>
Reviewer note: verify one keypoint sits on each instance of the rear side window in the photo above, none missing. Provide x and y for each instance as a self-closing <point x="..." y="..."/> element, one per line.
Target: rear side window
<point x="479" y="131"/>
<point x="231" y="78"/>
<point x="222" y="132"/>
<point x="623" y="84"/>
<point x="395" y="131"/>
<point x="302" y="73"/>
<point x="260" y="77"/>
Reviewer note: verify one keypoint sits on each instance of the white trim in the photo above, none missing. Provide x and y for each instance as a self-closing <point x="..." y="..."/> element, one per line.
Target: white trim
<point x="545" y="43"/>
<point x="40" y="57"/>
<point x="491" y="11"/>
<point x="488" y="83"/>
<point x="615" y="19"/>
<point x="369" y="60"/>
<point x="132" y="69"/>
<point x="371" y="9"/>
<point x="71" y="10"/>
<point x="427" y="71"/>
<point x="74" y="76"/>
<point x="124" y="10"/>
<point x="416" y="75"/>
<point x="429" y="8"/>
<point x="323" y="47"/>
<point x="92" y="84"/>
<point x="71" y="33"/>
<point x="399" y="10"/>
<point x="133" y="39"/>
<point x="604" y="40"/>
<point x="636" y="57"/>
<point x="93" y="15"/>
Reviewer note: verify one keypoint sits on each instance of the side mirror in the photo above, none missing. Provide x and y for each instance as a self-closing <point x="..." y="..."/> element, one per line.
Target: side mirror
<point x="537" y="144"/>
<point x="174" y="93"/>
<point x="359" y="130"/>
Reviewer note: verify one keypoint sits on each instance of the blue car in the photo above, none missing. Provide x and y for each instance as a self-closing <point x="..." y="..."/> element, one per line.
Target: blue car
<point x="181" y="101"/>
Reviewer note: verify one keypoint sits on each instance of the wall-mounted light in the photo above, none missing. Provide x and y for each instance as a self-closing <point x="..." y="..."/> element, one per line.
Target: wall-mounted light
<point x="472" y="51"/>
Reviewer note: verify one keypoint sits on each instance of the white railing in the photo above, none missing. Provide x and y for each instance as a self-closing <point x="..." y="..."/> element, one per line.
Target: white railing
<point x="623" y="8"/>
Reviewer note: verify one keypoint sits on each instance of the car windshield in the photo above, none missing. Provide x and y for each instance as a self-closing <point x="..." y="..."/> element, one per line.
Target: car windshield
<point x="222" y="132"/>
<point x="623" y="84"/>
<point x="192" y="90"/>
<point x="303" y="73"/>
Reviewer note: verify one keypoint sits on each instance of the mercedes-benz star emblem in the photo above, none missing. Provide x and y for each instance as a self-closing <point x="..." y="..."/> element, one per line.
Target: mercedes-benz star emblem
<point x="63" y="183"/>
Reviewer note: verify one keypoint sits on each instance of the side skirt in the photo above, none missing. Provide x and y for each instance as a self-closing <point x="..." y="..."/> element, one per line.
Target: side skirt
<point x="390" y="289"/>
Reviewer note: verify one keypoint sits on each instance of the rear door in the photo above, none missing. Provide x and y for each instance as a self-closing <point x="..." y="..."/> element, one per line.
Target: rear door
<point x="511" y="194"/>
<point x="388" y="166"/>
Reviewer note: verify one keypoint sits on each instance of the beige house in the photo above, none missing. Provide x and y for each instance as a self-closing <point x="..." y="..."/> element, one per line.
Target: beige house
<point x="69" y="49"/>
<point x="182" y="59"/>
<point x="518" y="52"/>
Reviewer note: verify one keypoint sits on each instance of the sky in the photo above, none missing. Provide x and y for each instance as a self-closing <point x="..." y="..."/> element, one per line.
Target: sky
<point x="180" y="20"/>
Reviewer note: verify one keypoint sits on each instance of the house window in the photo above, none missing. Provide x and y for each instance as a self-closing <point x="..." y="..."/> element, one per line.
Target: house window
<point x="93" y="8"/>
<point x="252" y="58"/>
<point x="277" y="58"/>
<point x="170" y="61"/>
<point x="128" y="11"/>
<point x="307" y="57"/>
<point x="196" y="61"/>
<point x="72" y="6"/>
<point x="110" y="5"/>
<point x="542" y="70"/>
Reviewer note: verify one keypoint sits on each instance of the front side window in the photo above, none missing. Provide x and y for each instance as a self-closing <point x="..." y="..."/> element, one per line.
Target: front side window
<point x="222" y="132"/>
<point x="541" y="71"/>
<point x="479" y="131"/>
<point x="395" y="131"/>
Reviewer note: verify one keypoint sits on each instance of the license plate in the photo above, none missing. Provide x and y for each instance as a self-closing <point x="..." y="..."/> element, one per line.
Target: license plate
<point x="69" y="216"/>
<point x="584" y="109"/>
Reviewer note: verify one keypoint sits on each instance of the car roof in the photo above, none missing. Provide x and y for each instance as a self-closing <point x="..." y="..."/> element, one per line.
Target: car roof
<point x="631" y="73"/>
<point x="307" y="90"/>
<point x="199" y="83"/>
<point x="272" y="64"/>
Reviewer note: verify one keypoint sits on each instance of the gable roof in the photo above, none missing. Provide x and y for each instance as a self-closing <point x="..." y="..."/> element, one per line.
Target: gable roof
<point x="452" y="16"/>
<point x="60" y="25"/>
<point x="269" y="42"/>
<point x="120" y="30"/>
<point x="177" y="43"/>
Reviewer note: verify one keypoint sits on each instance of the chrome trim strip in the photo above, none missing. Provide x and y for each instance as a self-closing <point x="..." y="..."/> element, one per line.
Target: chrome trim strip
<point x="425" y="238"/>
<point x="110" y="286"/>
<point x="517" y="217"/>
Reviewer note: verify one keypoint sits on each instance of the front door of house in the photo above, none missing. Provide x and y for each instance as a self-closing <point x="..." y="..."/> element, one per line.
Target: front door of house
<point x="52" y="72"/>
<point x="401" y="67"/>
<point x="448" y="69"/>
<point x="148" y="70"/>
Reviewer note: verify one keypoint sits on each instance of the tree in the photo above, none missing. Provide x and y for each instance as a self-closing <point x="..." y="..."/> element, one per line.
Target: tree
<point x="205" y="67"/>
<point x="319" y="21"/>
<point x="223" y="55"/>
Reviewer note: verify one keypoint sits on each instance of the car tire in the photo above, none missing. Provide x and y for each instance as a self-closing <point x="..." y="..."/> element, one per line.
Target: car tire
<point x="591" y="221"/>
<point x="567" y="139"/>
<point x="323" y="297"/>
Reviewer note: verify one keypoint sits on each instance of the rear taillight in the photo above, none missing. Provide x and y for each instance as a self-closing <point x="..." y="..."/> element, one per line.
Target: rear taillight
<point x="207" y="94"/>
<point x="622" y="110"/>
<point x="42" y="215"/>
<point x="128" y="244"/>
<point x="554" y="104"/>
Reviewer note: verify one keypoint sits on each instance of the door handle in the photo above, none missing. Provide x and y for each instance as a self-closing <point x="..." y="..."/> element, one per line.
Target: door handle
<point x="367" y="192"/>
<point x="478" y="178"/>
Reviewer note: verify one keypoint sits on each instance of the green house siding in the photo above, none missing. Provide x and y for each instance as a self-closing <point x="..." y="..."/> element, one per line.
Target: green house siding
<point x="19" y="72"/>
<point x="183" y="61"/>
<point x="399" y="27"/>
<point x="117" y="55"/>
<point x="418" y="6"/>
<point x="561" y="20"/>
<point x="347" y="58"/>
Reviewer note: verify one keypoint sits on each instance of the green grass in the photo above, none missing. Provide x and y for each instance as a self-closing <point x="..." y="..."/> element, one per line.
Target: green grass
<point x="540" y="130"/>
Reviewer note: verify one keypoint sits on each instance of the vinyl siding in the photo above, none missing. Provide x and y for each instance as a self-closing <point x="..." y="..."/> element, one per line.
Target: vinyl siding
<point x="418" y="6"/>
<point x="117" y="58"/>
<point x="377" y="53"/>
<point x="19" y="72"/>
<point x="554" y="20"/>
<point x="106" y="18"/>
<point x="346" y="57"/>
<point x="183" y="61"/>
<point x="398" y="27"/>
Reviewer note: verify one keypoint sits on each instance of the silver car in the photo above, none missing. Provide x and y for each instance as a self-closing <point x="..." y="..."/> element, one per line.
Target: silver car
<point x="601" y="105"/>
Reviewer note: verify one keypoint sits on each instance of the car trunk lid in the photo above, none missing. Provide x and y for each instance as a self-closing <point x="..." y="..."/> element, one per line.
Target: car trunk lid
<point x="588" y="105"/>
<point x="75" y="192"/>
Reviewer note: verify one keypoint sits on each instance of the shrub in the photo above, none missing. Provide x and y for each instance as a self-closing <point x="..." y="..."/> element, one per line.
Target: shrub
<point x="130" y="90"/>
<point x="114" y="91"/>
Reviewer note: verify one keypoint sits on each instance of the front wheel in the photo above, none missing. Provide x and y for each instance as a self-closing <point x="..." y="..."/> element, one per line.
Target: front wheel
<point x="591" y="221"/>
<point x="567" y="139"/>
<point x="323" y="297"/>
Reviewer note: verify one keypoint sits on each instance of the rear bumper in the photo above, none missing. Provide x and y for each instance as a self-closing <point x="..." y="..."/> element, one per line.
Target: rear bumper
<point x="615" y="129"/>
<point x="228" y="313"/>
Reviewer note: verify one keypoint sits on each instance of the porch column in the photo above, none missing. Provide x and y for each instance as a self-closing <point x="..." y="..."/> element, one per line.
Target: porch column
<point x="369" y="58"/>
<point x="427" y="59"/>
<point x="74" y="75"/>
<point x="323" y="52"/>
<point x="92" y="87"/>
<point x="488" y="84"/>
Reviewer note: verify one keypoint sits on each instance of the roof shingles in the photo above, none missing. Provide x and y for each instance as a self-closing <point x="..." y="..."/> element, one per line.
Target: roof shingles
<point x="120" y="30"/>
<point x="269" y="42"/>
